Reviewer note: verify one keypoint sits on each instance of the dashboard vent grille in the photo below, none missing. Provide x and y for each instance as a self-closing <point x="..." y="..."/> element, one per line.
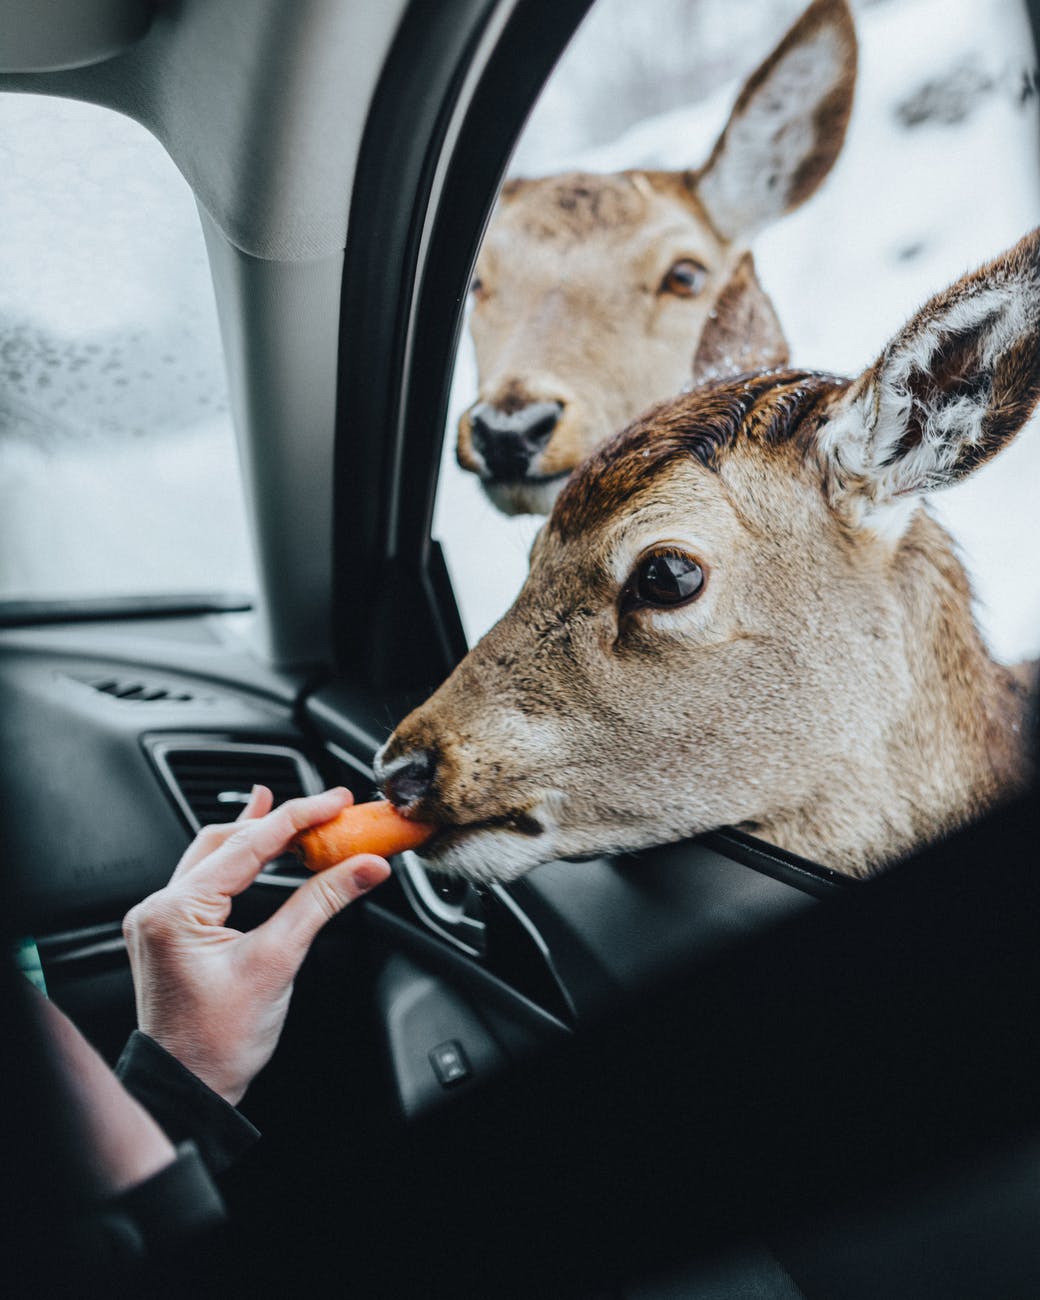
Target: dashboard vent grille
<point x="212" y="781"/>
<point x="136" y="691"/>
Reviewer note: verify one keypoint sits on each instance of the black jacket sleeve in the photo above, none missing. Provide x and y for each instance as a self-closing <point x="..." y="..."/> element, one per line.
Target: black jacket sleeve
<point x="182" y="1105"/>
<point x="177" y="1204"/>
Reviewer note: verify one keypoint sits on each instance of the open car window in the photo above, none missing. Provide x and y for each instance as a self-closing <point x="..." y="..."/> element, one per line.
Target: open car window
<point x="940" y="169"/>
<point x="118" y="467"/>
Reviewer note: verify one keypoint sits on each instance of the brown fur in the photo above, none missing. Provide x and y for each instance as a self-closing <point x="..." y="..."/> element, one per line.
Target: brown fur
<point x="742" y="332"/>
<point x="768" y="408"/>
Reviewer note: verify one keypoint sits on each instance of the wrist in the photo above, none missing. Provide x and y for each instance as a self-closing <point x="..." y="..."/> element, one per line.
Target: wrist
<point x="183" y="1104"/>
<point x="202" y="1062"/>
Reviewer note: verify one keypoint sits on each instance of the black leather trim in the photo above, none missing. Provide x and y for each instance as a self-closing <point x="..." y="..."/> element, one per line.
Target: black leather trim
<point x="778" y="863"/>
<point x="453" y="96"/>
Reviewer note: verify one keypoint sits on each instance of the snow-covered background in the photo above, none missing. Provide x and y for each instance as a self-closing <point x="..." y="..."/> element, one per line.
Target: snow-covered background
<point x="118" y="471"/>
<point x="940" y="171"/>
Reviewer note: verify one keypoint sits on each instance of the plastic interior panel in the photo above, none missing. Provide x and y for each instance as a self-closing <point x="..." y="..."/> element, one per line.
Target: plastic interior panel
<point x="419" y="1012"/>
<point x="214" y="648"/>
<point x="641" y="916"/>
<point x="68" y="750"/>
<point x="280" y="325"/>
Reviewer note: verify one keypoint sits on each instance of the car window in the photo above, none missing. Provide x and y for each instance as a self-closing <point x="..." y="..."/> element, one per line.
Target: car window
<point x="118" y="469"/>
<point x="940" y="171"/>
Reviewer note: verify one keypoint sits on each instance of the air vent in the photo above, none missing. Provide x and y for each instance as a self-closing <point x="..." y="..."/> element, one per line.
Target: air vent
<point x="136" y="691"/>
<point x="211" y="780"/>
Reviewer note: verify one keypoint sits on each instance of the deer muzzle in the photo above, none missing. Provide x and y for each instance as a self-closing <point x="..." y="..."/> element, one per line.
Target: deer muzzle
<point x="509" y="442"/>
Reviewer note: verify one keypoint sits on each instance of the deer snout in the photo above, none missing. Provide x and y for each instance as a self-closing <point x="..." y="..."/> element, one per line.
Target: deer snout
<point x="508" y="441"/>
<point x="407" y="779"/>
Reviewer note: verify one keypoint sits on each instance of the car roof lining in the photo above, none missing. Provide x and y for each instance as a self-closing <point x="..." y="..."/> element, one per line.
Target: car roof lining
<point x="260" y="104"/>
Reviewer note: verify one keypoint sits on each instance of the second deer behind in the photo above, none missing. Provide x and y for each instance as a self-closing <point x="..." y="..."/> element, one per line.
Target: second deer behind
<point x="591" y="292"/>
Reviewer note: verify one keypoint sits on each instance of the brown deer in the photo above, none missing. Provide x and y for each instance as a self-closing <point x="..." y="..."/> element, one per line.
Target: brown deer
<point x="741" y="612"/>
<point x="591" y="292"/>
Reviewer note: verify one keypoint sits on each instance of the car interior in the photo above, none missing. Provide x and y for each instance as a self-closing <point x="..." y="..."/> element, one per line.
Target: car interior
<point x="344" y="157"/>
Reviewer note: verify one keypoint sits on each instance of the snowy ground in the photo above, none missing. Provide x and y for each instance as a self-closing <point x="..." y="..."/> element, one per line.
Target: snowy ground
<point x="941" y="171"/>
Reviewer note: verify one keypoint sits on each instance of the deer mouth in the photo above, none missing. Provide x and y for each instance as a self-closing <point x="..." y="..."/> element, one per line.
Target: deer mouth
<point x="523" y="477"/>
<point x="532" y="495"/>
<point x="449" y="836"/>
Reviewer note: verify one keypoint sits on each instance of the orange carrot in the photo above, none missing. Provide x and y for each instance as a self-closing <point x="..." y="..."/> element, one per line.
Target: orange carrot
<point x="362" y="828"/>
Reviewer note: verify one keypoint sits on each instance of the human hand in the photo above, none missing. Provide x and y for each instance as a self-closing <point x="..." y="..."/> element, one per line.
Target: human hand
<point x="216" y="998"/>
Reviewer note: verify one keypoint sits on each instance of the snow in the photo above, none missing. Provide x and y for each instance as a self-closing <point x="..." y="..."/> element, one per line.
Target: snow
<point x="907" y="210"/>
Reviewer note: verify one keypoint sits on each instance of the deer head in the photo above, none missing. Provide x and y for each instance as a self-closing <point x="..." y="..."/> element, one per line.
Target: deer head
<point x="741" y="612"/>
<point x="591" y="293"/>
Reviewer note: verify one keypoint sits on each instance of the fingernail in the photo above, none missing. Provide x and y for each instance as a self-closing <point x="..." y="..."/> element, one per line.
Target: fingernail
<point x="366" y="878"/>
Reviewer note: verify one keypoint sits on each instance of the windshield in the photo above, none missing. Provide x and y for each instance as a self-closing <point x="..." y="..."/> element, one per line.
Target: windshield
<point x="118" y="469"/>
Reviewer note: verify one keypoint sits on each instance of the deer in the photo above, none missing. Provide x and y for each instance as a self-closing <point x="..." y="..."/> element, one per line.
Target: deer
<point x="741" y="612"/>
<point x="591" y="292"/>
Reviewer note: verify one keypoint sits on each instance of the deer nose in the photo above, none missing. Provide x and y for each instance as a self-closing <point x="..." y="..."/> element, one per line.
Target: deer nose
<point x="509" y="440"/>
<point x="409" y="779"/>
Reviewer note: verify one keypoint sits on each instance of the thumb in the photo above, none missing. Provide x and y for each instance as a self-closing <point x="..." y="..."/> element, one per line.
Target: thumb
<point x="285" y="938"/>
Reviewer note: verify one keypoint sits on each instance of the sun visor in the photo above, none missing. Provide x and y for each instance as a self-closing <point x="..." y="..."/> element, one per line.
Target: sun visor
<point x="60" y="34"/>
<point x="260" y="103"/>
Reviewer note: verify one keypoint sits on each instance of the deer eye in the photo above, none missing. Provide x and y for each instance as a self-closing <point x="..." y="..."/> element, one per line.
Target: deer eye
<point x="476" y="287"/>
<point x="663" y="580"/>
<point x="685" y="278"/>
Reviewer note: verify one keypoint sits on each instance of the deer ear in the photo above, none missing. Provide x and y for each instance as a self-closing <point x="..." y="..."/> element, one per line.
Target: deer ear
<point x="787" y="126"/>
<point x="952" y="388"/>
<point x="742" y="331"/>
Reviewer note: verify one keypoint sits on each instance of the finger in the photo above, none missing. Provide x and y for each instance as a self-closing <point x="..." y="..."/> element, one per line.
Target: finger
<point x="261" y="801"/>
<point x="284" y="939"/>
<point x="253" y="844"/>
<point x="210" y="838"/>
<point x="207" y="841"/>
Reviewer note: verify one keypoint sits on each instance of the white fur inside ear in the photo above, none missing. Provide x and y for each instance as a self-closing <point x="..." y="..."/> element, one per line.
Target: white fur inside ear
<point x="863" y="439"/>
<point x="748" y="183"/>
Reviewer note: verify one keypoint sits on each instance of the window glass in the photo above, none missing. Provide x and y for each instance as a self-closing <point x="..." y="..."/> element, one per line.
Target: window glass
<point x="118" y="471"/>
<point x="940" y="171"/>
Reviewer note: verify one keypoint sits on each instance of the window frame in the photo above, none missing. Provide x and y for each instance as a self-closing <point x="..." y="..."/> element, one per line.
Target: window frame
<point x="452" y="98"/>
